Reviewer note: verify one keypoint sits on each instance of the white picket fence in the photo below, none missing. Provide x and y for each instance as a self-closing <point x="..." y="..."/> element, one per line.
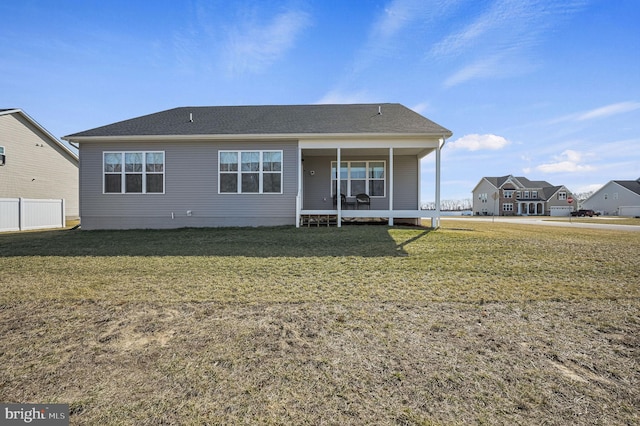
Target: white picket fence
<point x="22" y="214"/>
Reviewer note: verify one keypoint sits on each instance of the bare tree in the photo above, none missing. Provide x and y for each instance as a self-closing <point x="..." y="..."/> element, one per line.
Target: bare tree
<point x="449" y="205"/>
<point x="581" y="196"/>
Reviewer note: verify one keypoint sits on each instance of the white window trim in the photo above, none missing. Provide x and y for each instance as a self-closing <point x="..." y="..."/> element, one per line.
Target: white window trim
<point x="366" y="178"/>
<point x="123" y="173"/>
<point x="261" y="172"/>
<point x="562" y="196"/>
<point x="507" y="207"/>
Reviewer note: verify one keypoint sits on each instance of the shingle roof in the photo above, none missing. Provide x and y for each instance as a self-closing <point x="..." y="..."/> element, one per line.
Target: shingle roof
<point x="498" y="181"/>
<point x="273" y="119"/>
<point x="533" y="183"/>
<point x="548" y="191"/>
<point x="631" y="185"/>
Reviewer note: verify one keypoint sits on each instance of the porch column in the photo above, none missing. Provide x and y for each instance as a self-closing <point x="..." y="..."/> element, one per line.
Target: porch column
<point x="338" y="195"/>
<point x="390" y="185"/>
<point x="299" y="196"/>
<point x="435" y="222"/>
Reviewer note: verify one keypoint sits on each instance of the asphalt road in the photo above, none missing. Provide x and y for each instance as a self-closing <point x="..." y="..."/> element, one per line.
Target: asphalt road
<point x="602" y="222"/>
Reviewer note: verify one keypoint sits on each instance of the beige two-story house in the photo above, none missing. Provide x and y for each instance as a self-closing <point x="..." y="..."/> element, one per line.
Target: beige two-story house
<point x="34" y="164"/>
<point x="519" y="196"/>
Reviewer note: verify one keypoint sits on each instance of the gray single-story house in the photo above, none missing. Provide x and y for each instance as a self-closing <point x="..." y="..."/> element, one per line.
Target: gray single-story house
<point x="257" y="166"/>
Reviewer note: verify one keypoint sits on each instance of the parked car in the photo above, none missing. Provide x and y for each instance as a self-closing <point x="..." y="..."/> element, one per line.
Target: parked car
<point x="583" y="213"/>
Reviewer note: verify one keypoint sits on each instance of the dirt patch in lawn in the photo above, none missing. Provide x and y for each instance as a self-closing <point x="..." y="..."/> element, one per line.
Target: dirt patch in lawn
<point x="314" y="363"/>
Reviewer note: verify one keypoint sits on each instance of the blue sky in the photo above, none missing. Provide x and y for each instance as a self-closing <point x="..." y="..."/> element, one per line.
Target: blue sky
<point x="549" y="90"/>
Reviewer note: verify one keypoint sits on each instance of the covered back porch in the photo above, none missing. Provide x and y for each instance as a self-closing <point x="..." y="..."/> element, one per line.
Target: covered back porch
<point x="374" y="179"/>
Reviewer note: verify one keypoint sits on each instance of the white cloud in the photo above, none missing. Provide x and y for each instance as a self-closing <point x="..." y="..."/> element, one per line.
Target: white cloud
<point x="487" y="67"/>
<point x="396" y="16"/>
<point x="601" y="112"/>
<point x="421" y="108"/>
<point x="569" y="161"/>
<point x="253" y="47"/>
<point x="337" y="97"/>
<point x="401" y="22"/>
<point x="593" y="187"/>
<point x="609" y="110"/>
<point x="503" y="33"/>
<point x="476" y="142"/>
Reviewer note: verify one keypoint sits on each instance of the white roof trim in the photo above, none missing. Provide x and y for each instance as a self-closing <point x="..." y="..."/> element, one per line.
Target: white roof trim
<point x="267" y="136"/>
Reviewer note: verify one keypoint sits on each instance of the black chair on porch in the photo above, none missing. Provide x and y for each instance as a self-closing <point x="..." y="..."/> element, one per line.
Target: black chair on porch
<point x="363" y="199"/>
<point x="343" y="201"/>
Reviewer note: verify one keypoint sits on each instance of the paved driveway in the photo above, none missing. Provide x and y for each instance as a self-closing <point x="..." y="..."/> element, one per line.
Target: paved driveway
<point x="603" y="223"/>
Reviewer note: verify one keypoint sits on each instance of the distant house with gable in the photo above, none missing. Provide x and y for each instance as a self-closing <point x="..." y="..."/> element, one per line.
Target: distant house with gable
<point x="519" y="196"/>
<point x="34" y="164"/>
<point x="617" y="197"/>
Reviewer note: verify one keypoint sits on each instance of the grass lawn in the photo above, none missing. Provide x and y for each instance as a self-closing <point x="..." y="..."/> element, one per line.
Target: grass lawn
<point x="475" y="323"/>
<point x="613" y="220"/>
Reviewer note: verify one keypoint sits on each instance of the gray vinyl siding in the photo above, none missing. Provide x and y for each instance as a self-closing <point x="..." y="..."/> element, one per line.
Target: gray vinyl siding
<point x="611" y="204"/>
<point x="36" y="166"/>
<point x="317" y="186"/>
<point x="405" y="183"/>
<point x="191" y="184"/>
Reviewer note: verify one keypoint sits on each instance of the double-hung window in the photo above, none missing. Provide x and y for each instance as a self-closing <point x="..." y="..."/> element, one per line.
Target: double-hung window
<point x="250" y="172"/>
<point x="133" y="172"/>
<point x="357" y="177"/>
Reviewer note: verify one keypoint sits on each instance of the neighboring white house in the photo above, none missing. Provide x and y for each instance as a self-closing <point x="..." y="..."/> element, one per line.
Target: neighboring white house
<point x="257" y="166"/>
<point x="519" y="196"/>
<point x="617" y="198"/>
<point x="34" y="164"/>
